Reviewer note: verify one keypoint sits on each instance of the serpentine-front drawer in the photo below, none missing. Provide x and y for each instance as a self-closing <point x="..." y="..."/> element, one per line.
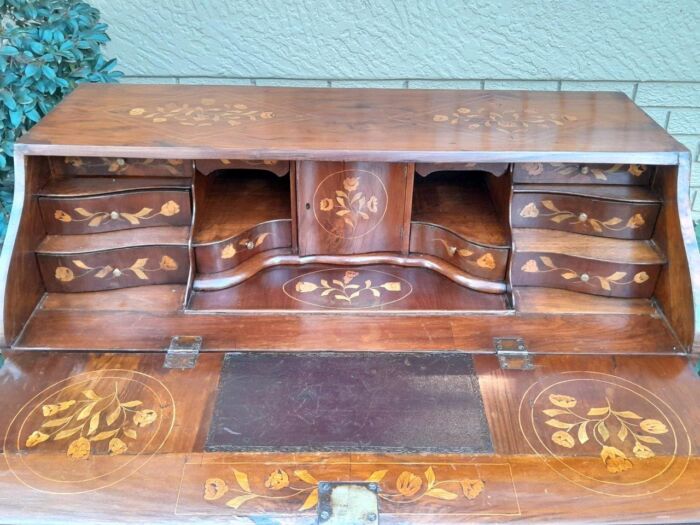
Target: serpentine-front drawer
<point x="111" y="269"/>
<point x="481" y="261"/>
<point x="559" y="173"/>
<point x="587" y="212"/>
<point x="121" y="166"/>
<point x="224" y="255"/>
<point x="119" y="211"/>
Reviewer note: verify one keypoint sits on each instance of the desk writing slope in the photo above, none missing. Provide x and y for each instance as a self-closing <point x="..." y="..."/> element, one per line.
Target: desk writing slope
<point x="363" y="240"/>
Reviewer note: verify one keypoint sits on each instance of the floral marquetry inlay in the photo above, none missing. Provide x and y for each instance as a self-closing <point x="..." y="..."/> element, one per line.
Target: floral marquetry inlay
<point x="553" y="213"/>
<point x="504" y="120"/>
<point x="97" y="218"/>
<point x="206" y="113"/>
<point x="98" y="427"/>
<point x="399" y="487"/>
<point x="139" y="268"/>
<point x="92" y="422"/>
<point x="604" y="433"/>
<point x="120" y="166"/>
<point x="350" y="204"/>
<point x="593" y="172"/>
<point x="545" y="265"/>
<point x="347" y="289"/>
<point x="230" y="250"/>
<point x="485" y="261"/>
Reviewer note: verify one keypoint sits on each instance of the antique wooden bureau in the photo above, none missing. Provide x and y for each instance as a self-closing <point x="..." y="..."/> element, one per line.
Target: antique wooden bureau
<point x="538" y="234"/>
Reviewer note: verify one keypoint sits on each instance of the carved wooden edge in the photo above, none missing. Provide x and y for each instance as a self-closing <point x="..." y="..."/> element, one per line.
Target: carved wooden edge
<point x="208" y="166"/>
<point x="283" y="257"/>
<point x="494" y="168"/>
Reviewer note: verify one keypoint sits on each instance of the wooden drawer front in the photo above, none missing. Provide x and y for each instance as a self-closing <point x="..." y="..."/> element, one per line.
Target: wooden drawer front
<point x="480" y="261"/>
<point x="119" y="211"/>
<point x="121" y="166"/>
<point x="424" y="168"/>
<point x="620" y="220"/>
<point x="584" y="275"/>
<point x="110" y="269"/>
<point x="278" y="167"/>
<point x="224" y="255"/>
<point x="538" y="172"/>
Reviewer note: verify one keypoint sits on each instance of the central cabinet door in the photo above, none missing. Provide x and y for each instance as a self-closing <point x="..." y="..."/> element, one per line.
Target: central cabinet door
<point x="352" y="207"/>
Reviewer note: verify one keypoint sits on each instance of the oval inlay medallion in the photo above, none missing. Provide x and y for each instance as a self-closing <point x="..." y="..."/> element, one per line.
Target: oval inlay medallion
<point x="604" y="433"/>
<point x="89" y="431"/>
<point x="347" y="288"/>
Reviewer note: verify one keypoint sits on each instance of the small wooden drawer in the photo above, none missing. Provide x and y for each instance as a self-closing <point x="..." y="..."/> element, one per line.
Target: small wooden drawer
<point x="478" y="260"/>
<point x="613" y="279"/>
<point x="207" y="166"/>
<point x="558" y="173"/>
<point x="495" y="168"/>
<point x="111" y="269"/>
<point x="120" y="211"/>
<point x="224" y="255"/>
<point x="121" y="166"/>
<point x="584" y="214"/>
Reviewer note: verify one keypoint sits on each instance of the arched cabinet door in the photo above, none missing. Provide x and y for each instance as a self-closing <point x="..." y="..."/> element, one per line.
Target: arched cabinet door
<point x="352" y="207"/>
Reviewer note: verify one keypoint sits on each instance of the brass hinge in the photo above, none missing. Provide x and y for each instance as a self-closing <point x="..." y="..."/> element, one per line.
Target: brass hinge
<point x="183" y="351"/>
<point x="341" y="503"/>
<point x="512" y="353"/>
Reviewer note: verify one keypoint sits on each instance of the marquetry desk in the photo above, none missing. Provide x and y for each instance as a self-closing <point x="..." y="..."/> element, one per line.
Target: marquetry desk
<point x="549" y="233"/>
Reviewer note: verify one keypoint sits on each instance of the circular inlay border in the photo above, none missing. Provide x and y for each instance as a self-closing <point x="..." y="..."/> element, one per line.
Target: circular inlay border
<point x="89" y="431"/>
<point x="347" y="199"/>
<point x="641" y="447"/>
<point x="347" y="288"/>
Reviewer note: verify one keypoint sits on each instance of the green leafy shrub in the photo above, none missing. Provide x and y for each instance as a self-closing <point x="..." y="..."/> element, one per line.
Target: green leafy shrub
<point x="47" y="47"/>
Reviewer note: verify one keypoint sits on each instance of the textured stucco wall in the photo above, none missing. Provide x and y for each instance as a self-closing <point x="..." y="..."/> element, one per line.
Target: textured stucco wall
<point x="648" y="49"/>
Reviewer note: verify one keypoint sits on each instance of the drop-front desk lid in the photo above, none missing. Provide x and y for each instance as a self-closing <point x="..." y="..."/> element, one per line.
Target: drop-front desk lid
<point x="348" y="124"/>
<point x="447" y="438"/>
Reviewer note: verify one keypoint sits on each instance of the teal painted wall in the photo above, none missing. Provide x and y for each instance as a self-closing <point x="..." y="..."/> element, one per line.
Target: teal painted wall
<point x="645" y="48"/>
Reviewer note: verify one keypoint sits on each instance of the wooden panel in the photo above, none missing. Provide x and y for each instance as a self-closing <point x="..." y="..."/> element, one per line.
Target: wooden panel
<point x="498" y="169"/>
<point x="207" y="166"/>
<point x="616" y="219"/>
<point x="21" y="285"/>
<point x="486" y="262"/>
<point x="550" y="300"/>
<point x="162" y="235"/>
<point x="462" y="204"/>
<point x="678" y="288"/>
<point x="122" y="211"/>
<point x="613" y="250"/>
<point x="120" y="268"/>
<point x="343" y="288"/>
<point x="148" y="331"/>
<point x="351" y="207"/>
<point x="227" y="254"/>
<point x="156" y="298"/>
<point x="580" y="274"/>
<point x="351" y="124"/>
<point x="632" y="194"/>
<point x="559" y="173"/>
<point x="121" y="166"/>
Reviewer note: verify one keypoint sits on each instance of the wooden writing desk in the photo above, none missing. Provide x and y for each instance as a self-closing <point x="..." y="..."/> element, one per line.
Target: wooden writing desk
<point x="549" y="232"/>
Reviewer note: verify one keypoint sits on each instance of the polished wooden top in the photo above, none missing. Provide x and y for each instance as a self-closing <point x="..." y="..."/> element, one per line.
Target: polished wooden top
<point x="350" y="124"/>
